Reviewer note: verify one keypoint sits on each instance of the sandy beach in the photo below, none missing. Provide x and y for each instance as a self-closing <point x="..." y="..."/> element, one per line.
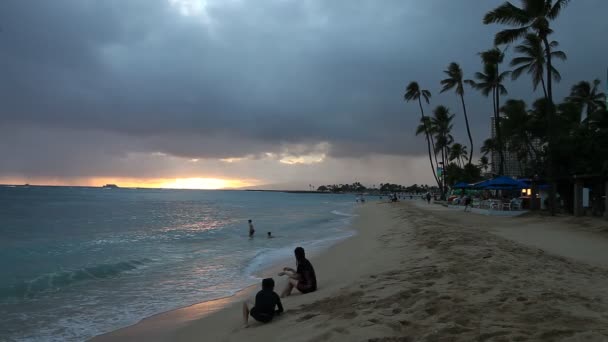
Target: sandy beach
<point x="418" y="272"/>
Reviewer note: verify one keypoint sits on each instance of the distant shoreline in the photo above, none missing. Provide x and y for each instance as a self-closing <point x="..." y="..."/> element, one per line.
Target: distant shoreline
<point x="298" y="191"/>
<point x="139" y="188"/>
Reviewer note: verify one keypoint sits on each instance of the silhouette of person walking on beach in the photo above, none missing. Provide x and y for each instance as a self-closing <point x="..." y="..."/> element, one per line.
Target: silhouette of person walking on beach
<point x="251" y="229"/>
<point x="304" y="278"/>
<point x="428" y="197"/>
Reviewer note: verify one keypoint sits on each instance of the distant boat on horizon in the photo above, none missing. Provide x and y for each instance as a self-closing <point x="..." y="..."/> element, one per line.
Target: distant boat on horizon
<point x="110" y="186"/>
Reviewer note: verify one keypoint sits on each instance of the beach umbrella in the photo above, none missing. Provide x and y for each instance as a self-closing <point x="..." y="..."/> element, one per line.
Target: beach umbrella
<point x="528" y="182"/>
<point x="501" y="183"/>
<point x="462" y="185"/>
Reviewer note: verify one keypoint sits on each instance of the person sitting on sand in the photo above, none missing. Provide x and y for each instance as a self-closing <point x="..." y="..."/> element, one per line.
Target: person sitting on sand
<point x="304" y="278"/>
<point x="265" y="302"/>
<point x="251" y="229"/>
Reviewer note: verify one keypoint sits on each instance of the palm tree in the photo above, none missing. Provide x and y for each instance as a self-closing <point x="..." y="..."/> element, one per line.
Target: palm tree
<point x="455" y="80"/>
<point x="588" y="96"/>
<point x="517" y="127"/>
<point x="532" y="61"/>
<point x="458" y="152"/>
<point x="414" y="93"/>
<point x="442" y="126"/>
<point x="491" y="81"/>
<point x="483" y="163"/>
<point x="489" y="146"/>
<point x="533" y="16"/>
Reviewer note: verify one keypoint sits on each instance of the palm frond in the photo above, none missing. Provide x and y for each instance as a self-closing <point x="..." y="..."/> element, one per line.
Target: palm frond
<point x="521" y="60"/>
<point x="518" y="71"/>
<point x="501" y="88"/>
<point x="426" y="95"/>
<point x="557" y="8"/>
<point x="507" y="14"/>
<point x="559" y="55"/>
<point x="510" y="35"/>
<point x="555" y="75"/>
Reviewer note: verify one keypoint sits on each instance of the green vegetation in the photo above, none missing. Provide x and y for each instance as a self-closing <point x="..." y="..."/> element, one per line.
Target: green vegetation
<point x="549" y="140"/>
<point x="382" y="188"/>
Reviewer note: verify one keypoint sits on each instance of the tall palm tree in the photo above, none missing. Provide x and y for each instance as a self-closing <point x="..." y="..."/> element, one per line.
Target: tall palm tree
<point x="414" y="93"/>
<point x="588" y="96"/>
<point x="533" y="16"/>
<point x="532" y="61"/>
<point x="491" y="81"/>
<point x="455" y="80"/>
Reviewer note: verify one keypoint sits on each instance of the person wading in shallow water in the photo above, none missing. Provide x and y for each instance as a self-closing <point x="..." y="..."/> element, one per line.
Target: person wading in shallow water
<point x="304" y="278"/>
<point x="251" y="229"/>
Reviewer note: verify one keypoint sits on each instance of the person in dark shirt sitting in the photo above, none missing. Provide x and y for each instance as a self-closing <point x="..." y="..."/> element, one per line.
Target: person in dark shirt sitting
<point x="265" y="302"/>
<point x="304" y="278"/>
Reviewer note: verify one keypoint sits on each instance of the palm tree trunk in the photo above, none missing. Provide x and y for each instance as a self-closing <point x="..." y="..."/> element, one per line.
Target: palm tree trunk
<point x="501" y="156"/>
<point x="542" y="82"/>
<point x="443" y="157"/>
<point x="466" y="121"/>
<point x="550" y="130"/>
<point x="428" y="142"/>
<point x="499" y="134"/>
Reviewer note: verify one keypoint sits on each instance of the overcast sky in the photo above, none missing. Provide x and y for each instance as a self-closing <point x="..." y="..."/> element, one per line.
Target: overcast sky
<point x="265" y="91"/>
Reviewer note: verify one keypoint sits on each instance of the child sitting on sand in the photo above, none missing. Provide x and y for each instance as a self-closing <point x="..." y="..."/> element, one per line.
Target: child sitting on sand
<point x="265" y="302"/>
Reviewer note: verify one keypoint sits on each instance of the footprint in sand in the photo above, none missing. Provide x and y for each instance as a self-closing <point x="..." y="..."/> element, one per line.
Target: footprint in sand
<point x="307" y="317"/>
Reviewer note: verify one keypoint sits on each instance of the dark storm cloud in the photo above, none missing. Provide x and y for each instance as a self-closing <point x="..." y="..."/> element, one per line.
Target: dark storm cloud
<point x="106" y="78"/>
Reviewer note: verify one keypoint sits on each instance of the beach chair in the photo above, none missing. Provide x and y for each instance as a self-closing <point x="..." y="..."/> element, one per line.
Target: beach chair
<point x="516" y="205"/>
<point x="494" y="205"/>
<point x="506" y="206"/>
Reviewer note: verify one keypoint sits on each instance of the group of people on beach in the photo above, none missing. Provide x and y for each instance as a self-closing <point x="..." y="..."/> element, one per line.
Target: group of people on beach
<point x="268" y="303"/>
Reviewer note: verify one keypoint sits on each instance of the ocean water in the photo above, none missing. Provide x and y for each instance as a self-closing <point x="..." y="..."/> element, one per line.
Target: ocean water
<point x="79" y="262"/>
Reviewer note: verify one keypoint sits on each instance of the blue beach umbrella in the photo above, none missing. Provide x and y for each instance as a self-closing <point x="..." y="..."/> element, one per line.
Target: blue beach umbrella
<point x="462" y="185"/>
<point x="501" y="183"/>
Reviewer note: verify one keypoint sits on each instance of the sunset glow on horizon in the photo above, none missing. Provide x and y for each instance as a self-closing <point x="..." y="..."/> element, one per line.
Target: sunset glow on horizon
<point x="203" y="183"/>
<point x="195" y="183"/>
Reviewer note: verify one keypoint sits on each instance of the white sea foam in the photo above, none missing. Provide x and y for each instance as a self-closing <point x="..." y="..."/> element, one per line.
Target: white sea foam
<point x="181" y="264"/>
<point x="339" y="213"/>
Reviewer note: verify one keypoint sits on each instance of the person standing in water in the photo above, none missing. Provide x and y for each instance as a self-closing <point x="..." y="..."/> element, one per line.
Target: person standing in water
<point x="251" y="229"/>
<point x="304" y="278"/>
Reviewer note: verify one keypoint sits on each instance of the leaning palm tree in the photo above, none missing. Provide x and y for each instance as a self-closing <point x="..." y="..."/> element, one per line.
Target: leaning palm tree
<point x="532" y="61"/>
<point x="414" y="93"/>
<point x="533" y="16"/>
<point x="588" y="96"/>
<point x="491" y="81"/>
<point x="455" y="80"/>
